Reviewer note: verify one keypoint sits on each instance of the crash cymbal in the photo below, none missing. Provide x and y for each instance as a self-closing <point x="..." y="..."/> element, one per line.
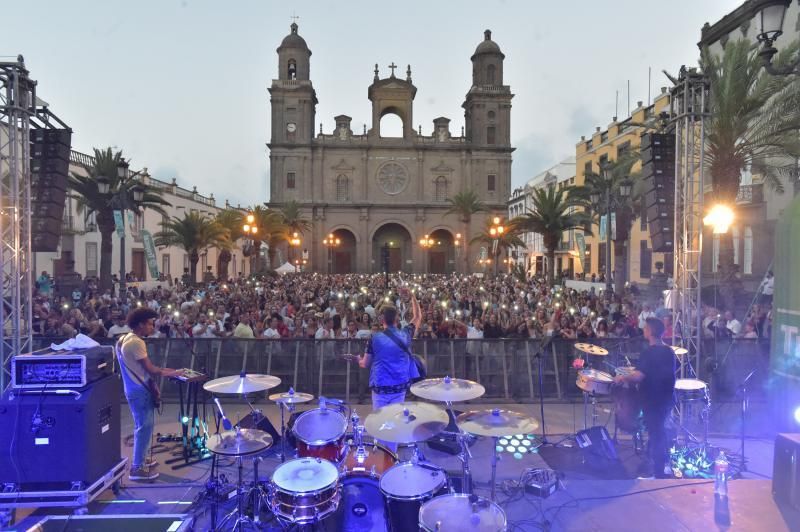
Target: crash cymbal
<point x="241" y="384"/>
<point x="447" y="389"/>
<point x="678" y="350"/>
<point x="239" y="442"/>
<point x="591" y="349"/>
<point x="496" y="422"/>
<point x="407" y="422"/>
<point x="291" y="397"/>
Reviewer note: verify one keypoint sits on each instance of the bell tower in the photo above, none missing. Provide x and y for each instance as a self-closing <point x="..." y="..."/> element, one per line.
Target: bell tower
<point x="392" y="95"/>
<point x="487" y="107"/>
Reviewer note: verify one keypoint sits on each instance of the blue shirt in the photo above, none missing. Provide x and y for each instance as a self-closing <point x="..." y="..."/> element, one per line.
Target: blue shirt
<point x="391" y="365"/>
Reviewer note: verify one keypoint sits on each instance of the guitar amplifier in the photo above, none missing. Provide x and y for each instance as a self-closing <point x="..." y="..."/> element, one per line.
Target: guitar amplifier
<point x="61" y="369"/>
<point x="786" y="470"/>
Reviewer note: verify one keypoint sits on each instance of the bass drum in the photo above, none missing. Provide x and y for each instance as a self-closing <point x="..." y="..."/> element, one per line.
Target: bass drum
<point x="362" y="507"/>
<point x="627" y="408"/>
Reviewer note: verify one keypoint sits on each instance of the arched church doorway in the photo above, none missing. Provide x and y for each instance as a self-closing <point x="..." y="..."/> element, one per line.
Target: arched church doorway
<point x="343" y="256"/>
<point x="441" y="254"/>
<point x="391" y="244"/>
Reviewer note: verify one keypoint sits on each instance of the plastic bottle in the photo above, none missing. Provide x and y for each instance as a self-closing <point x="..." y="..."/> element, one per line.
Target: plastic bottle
<point x="721" y="475"/>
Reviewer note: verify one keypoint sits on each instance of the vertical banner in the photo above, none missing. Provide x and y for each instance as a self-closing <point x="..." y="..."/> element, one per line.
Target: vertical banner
<point x="613" y="226"/>
<point x="119" y="224"/>
<point x="131" y="221"/>
<point x="150" y="253"/>
<point x="581" y="241"/>
<point x="602" y="235"/>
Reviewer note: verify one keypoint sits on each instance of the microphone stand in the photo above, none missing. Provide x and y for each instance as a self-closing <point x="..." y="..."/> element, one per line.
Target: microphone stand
<point x="743" y="392"/>
<point x="540" y="356"/>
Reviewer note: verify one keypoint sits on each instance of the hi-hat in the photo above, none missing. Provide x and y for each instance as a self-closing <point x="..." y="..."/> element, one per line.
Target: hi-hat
<point x="408" y="422"/>
<point x="291" y="397"/>
<point x="448" y="389"/>
<point x="591" y="349"/>
<point x="678" y="350"/>
<point x="239" y="442"/>
<point x="241" y="384"/>
<point x="496" y="422"/>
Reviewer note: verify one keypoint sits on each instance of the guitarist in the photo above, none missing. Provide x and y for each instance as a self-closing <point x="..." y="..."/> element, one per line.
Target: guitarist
<point x="141" y="391"/>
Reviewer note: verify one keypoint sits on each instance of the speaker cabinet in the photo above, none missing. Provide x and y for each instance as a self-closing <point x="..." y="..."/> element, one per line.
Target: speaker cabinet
<point x="785" y="470"/>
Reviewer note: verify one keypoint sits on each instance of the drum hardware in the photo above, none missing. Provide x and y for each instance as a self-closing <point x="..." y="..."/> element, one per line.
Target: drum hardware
<point x="304" y="491"/>
<point x="287" y="401"/>
<point x="450" y="390"/>
<point x="461" y="512"/>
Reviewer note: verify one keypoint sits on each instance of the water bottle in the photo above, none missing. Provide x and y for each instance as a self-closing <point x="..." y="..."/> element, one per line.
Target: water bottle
<point x="721" y="476"/>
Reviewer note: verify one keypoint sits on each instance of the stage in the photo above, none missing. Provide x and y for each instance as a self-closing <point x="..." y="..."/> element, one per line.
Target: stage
<point x="594" y="494"/>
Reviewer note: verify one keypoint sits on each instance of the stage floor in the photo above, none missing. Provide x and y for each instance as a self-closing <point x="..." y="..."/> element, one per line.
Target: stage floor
<point x="591" y="496"/>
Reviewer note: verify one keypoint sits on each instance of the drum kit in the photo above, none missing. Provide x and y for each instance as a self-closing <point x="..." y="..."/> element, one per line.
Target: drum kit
<point x="344" y="476"/>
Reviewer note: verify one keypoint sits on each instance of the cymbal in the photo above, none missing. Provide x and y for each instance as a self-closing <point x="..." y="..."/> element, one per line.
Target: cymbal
<point x="241" y="384"/>
<point x="678" y="350"/>
<point x="291" y="397"/>
<point x="239" y="442"/>
<point x="591" y="349"/>
<point x="496" y="422"/>
<point x="407" y="422"/>
<point x="447" y="389"/>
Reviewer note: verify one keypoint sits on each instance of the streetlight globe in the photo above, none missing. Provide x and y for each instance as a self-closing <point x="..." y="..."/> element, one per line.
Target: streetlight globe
<point x="771" y="20"/>
<point x="500" y="230"/>
<point x="492" y="231"/>
<point x="338" y="241"/>
<point x="496" y="220"/>
<point x="250" y="218"/>
<point x="254" y="229"/>
<point x="246" y="228"/>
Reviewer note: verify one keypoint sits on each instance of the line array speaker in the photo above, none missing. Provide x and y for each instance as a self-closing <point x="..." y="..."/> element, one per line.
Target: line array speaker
<point x="50" y="149"/>
<point x="658" y="173"/>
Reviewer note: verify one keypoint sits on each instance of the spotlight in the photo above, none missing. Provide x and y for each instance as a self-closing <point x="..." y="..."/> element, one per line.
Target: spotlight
<point x="797" y="414"/>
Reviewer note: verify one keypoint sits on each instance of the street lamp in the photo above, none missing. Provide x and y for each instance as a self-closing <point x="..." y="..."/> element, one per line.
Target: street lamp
<point x="625" y="190"/>
<point x="427" y="243"/>
<point x="331" y="242"/>
<point x="121" y="200"/>
<point x="771" y="16"/>
<point x="496" y="232"/>
<point x="250" y="230"/>
<point x="720" y="218"/>
<point x="295" y="242"/>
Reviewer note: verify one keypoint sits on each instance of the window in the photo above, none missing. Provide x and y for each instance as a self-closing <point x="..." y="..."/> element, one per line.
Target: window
<point x="90" y="221"/>
<point x="604" y="136"/>
<point x="292" y="69"/>
<point x="588" y="259"/>
<point x="440" y="189"/>
<point x="623" y="148"/>
<point x="165" y="269"/>
<point x="185" y="262"/>
<point x="290" y="180"/>
<point x="490" y="71"/>
<point x="490" y="115"/>
<point x="601" y="257"/>
<point x="490" y="182"/>
<point x="203" y="263"/>
<point x="643" y="216"/>
<point x="587" y="168"/>
<point x="736" y="240"/>
<point x="645" y="260"/>
<point x="490" y="135"/>
<point x="747" y="268"/>
<point x="91" y="259"/>
<point x="715" y="254"/>
<point x="342" y="188"/>
<point x="164" y="220"/>
<point x="603" y="160"/>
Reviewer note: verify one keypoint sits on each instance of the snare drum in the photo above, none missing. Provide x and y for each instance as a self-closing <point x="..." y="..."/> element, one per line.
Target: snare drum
<point x="624" y="370"/>
<point x="304" y="490"/>
<point x="406" y="486"/>
<point x="461" y="512"/>
<point x="320" y="434"/>
<point x="691" y="390"/>
<point x="594" y="381"/>
<point x="372" y="460"/>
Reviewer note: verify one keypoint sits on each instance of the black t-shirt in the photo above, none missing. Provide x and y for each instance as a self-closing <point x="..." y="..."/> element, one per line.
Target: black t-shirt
<point x="657" y="362"/>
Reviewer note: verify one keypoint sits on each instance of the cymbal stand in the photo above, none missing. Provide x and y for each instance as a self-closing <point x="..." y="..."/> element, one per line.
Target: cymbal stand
<point x="237" y="515"/>
<point x="465" y="453"/>
<point x="290" y="408"/>
<point x="586" y="401"/>
<point x="257" y="492"/>
<point x="495" y="458"/>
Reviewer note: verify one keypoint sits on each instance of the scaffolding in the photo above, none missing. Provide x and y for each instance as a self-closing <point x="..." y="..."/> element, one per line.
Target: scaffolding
<point x="17" y="107"/>
<point x="689" y="111"/>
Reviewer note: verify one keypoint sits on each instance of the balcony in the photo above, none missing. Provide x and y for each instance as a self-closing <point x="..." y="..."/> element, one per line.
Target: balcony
<point x="750" y="194"/>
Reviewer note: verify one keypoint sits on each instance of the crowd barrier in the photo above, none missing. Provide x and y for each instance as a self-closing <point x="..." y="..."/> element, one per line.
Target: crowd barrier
<point x="507" y="368"/>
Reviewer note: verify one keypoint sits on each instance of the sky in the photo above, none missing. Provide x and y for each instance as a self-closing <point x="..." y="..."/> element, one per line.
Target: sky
<point x="180" y="86"/>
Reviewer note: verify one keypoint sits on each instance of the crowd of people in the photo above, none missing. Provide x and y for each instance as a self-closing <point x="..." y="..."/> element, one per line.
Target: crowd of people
<point x="309" y="305"/>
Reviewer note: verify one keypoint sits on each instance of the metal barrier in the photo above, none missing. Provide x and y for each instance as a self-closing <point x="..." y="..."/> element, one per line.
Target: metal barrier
<point x="507" y="368"/>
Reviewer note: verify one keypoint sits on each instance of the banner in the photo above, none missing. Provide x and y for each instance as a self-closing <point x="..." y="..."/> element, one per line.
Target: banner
<point x="581" y="241"/>
<point x="603" y="227"/>
<point x="150" y="253"/>
<point x="119" y="224"/>
<point x="131" y="222"/>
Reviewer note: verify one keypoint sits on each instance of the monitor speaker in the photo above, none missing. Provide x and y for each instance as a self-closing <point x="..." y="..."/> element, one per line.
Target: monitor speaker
<point x="786" y="470"/>
<point x="596" y="440"/>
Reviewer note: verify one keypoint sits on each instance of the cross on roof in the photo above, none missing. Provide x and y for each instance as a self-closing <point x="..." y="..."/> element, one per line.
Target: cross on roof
<point x="294" y="17"/>
<point x="392" y="66"/>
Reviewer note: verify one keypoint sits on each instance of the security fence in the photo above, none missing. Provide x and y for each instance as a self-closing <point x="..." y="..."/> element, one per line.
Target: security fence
<point x="507" y="368"/>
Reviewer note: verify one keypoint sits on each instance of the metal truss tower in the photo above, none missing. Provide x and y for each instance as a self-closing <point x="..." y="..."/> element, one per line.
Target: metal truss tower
<point x="689" y="111"/>
<point x="17" y="106"/>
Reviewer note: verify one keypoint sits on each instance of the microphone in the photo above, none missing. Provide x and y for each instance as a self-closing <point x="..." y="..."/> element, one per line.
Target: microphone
<point x="226" y="423"/>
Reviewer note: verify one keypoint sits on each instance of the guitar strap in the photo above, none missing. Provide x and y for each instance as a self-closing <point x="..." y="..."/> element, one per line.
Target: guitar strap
<point x="122" y="365"/>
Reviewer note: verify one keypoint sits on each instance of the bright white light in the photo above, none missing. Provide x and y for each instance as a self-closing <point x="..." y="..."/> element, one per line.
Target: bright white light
<point x="720" y="218"/>
<point x="797" y="414"/>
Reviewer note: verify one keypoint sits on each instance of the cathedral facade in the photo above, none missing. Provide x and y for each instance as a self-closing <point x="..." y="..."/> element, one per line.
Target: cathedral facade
<point x="379" y="196"/>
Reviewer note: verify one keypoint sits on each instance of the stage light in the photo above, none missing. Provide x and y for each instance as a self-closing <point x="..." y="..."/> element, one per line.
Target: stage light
<point x="185" y="420"/>
<point x="510" y="449"/>
<point x="797" y="414"/>
<point x="503" y="442"/>
<point x="720" y="218"/>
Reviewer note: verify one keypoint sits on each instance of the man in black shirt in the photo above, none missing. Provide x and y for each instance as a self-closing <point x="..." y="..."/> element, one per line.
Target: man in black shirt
<point x="655" y="374"/>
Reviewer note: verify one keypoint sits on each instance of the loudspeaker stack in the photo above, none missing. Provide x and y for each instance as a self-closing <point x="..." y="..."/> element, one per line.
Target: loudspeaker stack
<point x="658" y="173"/>
<point x="50" y="150"/>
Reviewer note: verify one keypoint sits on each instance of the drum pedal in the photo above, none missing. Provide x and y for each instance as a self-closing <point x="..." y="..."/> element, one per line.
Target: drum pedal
<point x="541" y="483"/>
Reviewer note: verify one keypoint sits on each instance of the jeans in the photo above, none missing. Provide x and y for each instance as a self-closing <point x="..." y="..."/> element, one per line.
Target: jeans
<point x="658" y="445"/>
<point x="141" y="405"/>
<point x="383" y="399"/>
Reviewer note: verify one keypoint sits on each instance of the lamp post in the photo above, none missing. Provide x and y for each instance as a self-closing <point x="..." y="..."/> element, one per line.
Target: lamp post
<point x="719" y="218"/>
<point x="771" y="15"/>
<point x="611" y="201"/>
<point x="295" y="242"/>
<point x="496" y="231"/>
<point x="331" y="242"/>
<point x="427" y="243"/>
<point x="457" y="245"/>
<point x="250" y="229"/>
<point x="121" y="200"/>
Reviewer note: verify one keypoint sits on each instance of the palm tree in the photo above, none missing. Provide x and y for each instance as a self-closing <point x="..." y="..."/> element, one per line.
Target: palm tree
<point x="231" y="220"/>
<point x="614" y="175"/>
<point x="193" y="233"/>
<point x="464" y="205"/>
<point x="551" y="217"/>
<point x="755" y="119"/>
<point x="505" y="241"/>
<point x="90" y="200"/>
<point x="293" y="218"/>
